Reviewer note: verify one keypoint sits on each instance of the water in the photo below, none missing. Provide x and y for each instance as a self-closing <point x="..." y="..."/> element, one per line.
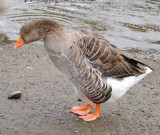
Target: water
<point x="125" y="23"/>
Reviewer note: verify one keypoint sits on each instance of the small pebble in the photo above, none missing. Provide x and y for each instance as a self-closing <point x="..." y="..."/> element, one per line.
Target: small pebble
<point x="29" y="67"/>
<point x="75" y="131"/>
<point x="79" y="99"/>
<point x="15" y="95"/>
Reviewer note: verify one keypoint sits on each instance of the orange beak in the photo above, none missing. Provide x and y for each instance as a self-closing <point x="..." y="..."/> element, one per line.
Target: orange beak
<point x="19" y="43"/>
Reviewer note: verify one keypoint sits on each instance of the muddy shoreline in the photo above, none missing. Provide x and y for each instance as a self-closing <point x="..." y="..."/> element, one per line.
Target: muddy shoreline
<point x="47" y="98"/>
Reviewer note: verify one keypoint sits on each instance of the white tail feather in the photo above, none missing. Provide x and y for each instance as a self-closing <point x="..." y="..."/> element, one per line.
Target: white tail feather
<point x="120" y="87"/>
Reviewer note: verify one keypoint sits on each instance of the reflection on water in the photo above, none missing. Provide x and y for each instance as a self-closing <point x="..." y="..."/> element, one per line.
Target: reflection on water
<point x="4" y="39"/>
<point x="133" y="24"/>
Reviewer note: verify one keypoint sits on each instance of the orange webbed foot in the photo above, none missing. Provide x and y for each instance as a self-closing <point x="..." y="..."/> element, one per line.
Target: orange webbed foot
<point x="92" y="116"/>
<point x="81" y="110"/>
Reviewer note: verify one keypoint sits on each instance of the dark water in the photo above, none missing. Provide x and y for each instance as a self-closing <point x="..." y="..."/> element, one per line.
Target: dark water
<point x="127" y="24"/>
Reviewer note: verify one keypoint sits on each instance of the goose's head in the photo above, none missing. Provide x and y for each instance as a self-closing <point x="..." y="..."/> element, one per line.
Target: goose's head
<point x="36" y="30"/>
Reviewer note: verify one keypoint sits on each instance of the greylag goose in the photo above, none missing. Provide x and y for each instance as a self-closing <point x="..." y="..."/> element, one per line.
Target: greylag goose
<point x="97" y="69"/>
<point x="5" y="5"/>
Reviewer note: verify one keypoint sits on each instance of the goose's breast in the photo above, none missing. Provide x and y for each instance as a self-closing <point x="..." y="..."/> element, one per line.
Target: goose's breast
<point x="64" y="65"/>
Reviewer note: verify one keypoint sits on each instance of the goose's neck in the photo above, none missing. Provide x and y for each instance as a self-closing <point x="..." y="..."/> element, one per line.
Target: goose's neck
<point x="56" y="42"/>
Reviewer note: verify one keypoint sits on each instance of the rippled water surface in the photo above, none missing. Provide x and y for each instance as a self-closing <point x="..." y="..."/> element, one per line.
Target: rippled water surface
<point x="127" y="24"/>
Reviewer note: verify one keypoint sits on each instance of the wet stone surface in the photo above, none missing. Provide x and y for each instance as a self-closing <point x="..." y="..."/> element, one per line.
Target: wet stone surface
<point x="48" y="98"/>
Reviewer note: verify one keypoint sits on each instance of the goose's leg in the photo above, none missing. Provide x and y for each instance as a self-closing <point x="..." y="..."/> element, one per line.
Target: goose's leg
<point x="92" y="116"/>
<point x="81" y="110"/>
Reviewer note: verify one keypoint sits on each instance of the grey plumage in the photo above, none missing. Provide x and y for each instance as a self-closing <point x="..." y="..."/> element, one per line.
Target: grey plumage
<point x="86" y="58"/>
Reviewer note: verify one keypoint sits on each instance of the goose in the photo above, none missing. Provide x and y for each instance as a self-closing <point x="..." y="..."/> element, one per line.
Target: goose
<point x="98" y="70"/>
<point x="5" y="6"/>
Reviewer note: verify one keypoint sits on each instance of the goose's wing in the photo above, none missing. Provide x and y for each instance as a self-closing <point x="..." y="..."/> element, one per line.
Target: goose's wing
<point x="107" y="58"/>
<point x="92" y="58"/>
<point x="86" y="78"/>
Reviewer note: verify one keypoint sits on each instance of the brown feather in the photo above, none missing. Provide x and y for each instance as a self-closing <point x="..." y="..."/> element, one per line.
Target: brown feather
<point x="108" y="58"/>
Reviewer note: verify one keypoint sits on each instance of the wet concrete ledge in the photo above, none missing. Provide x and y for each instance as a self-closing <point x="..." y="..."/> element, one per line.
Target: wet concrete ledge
<point x="47" y="98"/>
